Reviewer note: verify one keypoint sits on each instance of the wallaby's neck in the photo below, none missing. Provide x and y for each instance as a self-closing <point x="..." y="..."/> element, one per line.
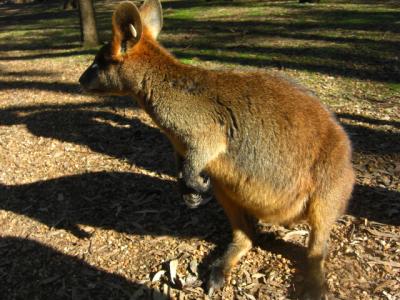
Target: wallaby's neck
<point x="162" y="73"/>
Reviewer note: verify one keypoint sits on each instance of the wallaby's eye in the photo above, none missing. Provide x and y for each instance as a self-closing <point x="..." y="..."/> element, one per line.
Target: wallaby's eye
<point x="94" y="66"/>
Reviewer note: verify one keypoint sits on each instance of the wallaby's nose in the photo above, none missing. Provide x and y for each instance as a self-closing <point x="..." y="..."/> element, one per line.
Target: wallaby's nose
<point x="89" y="78"/>
<point x="83" y="79"/>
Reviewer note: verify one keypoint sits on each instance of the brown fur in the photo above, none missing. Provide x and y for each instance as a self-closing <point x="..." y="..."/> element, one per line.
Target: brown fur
<point x="271" y="149"/>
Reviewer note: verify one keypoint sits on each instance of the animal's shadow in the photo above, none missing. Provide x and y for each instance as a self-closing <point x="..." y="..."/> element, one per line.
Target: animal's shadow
<point x="31" y="270"/>
<point x="295" y="253"/>
<point x="125" y="202"/>
<point x="102" y="131"/>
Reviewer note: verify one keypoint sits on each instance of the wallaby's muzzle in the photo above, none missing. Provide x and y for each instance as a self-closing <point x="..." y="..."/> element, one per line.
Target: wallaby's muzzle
<point x="89" y="79"/>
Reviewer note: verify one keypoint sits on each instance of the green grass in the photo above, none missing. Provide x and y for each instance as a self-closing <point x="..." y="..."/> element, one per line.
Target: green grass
<point x="394" y="86"/>
<point x="184" y="14"/>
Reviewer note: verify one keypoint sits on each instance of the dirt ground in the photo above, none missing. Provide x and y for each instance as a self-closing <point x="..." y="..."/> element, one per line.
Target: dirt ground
<point x="88" y="204"/>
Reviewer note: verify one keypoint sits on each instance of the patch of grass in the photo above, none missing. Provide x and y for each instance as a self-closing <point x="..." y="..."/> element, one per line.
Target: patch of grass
<point x="394" y="86"/>
<point x="188" y="61"/>
<point x="185" y="14"/>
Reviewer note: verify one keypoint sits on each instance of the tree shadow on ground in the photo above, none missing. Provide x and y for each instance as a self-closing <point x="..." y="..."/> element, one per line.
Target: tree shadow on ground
<point x="40" y="85"/>
<point x="27" y="73"/>
<point x="372" y="60"/>
<point x="369" y="120"/>
<point x="352" y="56"/>
<point x="201" y="3"/>
<point x="375" y="151"/>
<point x="46" y="27"/>
<point x="246" y="40"/>
<point x="31" y="270"/>
<point x="50" y="54"/>
<point x="375" y="204"/>
<point x="33" y="12"/>
<point x="369" y="140"/>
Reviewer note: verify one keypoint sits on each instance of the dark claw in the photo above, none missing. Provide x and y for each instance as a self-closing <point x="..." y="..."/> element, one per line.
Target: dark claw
<point x="201" y="183"/>
<point x="207" y="183"/>
<point x="192" y="200"/>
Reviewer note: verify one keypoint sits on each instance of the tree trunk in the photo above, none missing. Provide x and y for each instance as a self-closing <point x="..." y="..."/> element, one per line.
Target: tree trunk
<point x="88" y="23"/>
<point x="70" y="4"/>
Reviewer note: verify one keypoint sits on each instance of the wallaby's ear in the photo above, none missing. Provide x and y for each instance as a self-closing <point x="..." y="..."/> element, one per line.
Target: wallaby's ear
<point x="151" y="13"/>
<point x="126" y="26"/>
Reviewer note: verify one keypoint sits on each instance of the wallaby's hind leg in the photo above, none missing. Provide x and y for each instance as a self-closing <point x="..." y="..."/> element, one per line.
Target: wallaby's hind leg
<point x="242" y="242"/>
<point x="314" y="285"/>
<point x="322" y="214"/>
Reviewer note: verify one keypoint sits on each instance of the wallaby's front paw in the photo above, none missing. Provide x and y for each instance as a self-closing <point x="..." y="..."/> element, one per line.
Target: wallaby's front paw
<point x="192" y="200"/>
<point x="190" y="196"/>
<point x="199" y="183"/>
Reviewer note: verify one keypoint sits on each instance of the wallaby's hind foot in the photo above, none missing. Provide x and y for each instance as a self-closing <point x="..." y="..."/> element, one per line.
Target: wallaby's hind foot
<point x="217" y="277"/>
<point x="314" y="287"/>
<point x="314" y="284"/>
<point x="314" y="291"/>
<point x="243" y="233"/>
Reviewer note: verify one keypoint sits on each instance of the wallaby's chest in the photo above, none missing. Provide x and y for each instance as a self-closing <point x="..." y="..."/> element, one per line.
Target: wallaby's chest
<point x="158" y="119"/>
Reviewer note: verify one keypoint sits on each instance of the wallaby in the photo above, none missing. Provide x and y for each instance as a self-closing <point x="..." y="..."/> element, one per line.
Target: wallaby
<point x="270" y="148"/>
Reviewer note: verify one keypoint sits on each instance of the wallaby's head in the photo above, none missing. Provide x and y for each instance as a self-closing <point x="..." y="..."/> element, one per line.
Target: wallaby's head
<point x="114" y="67"/>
